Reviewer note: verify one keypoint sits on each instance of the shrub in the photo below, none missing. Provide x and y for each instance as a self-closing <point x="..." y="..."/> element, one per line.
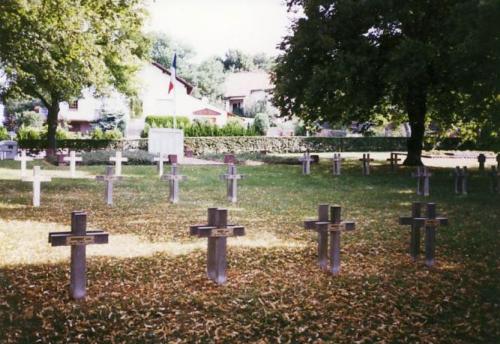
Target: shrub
<point x="182" y="122"/>
<point x="29" y="119"/>
<point x="261" y="123"/>
<point x="29" y="133"/>
<point x="110" y="121"/>
<point x="97" y="134"/>
<point x="4" y="135"/>
<point x="114" y="134"/>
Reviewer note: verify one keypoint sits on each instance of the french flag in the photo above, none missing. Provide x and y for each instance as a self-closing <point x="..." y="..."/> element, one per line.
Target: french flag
<point x="172" y="74"/>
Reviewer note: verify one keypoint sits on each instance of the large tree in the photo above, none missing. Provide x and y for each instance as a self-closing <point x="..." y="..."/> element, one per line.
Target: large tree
<point x="352" y="60"/>
<point x="53" y="49"/>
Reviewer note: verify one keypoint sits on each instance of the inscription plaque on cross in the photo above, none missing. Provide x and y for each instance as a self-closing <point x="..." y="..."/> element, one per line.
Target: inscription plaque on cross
<point x="36" y="179"/>
<point x="495" y="180"/>
<point x="172" y="159"/>
<point x="306" y="163"/>
<point x="393" y="160"/>
<point x="109" y="178"/>
<point x="217" y="230"/>
<point x="422" y="176"/>
<point x="336" y="164"/>
<point x="73" y="159"/>
<point x="161" y="161"/>
<point x="416" y="212"/>
<point x="229" y="159"/>
<point x="366" y="164"/>
<point x="173" y="178"/>
<point x="329" y="223"/>
<point x="23" y="158"/>
<point x="430" y="222"/>
<point x="118" y="159"/>
<point x="231" y="178"/>
<point x="481" y="158"/>
<point x="78" y="239"/>
<point x="460" y="180"/>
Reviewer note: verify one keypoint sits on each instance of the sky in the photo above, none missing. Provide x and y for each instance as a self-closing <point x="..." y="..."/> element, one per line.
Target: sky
<point x="211" y="27"/>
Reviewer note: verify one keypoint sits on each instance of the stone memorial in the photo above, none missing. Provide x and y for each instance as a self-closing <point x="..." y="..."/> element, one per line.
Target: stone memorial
<point x="108" y="179"/>
<point x="481" y="158"/>
<point x="366" y="164"/>
<point x="393" y="160"/>
<point x="118" y="159"/>
<point x="23" y="158"/>
<point x="78" y="239"/>
<point x="495" y="180"/>
<point x="422" y="176"/>
<point x="416" y="212"/>
<point x="306" y="163"/>
<point x="231" y="178"/>
<point x="460" y="180"/>
<point x="72" y="159"/>
<point x="336" y="164"/>
<point x="166" y="141"/>
<point x="173" y="178"/>
<point x="161" y="161"/>
<point x="329" y="222"/>
<point x="36" y="179"/>
<point x="8" y="150"/>
<point x="217" y="230"/>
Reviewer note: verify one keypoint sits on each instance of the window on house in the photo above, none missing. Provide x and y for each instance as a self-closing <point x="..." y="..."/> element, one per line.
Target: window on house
<point x="237" y="107"/>
<point x="73" y="105"/>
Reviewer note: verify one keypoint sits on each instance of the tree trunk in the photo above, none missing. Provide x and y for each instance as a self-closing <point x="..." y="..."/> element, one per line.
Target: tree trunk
<point x="416" y="107"/>
<point x="52" y="128"/>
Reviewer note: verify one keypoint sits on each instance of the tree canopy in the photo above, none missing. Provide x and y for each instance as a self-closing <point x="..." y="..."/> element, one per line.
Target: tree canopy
<point x="352" y="60"/>
<point x="52" y="50"/>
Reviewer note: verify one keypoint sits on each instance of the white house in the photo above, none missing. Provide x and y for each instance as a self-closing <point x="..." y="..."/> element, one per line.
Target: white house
<point x="153" y="83"/>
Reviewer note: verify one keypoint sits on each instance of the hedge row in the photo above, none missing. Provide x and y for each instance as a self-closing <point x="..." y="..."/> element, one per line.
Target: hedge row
<point x="74" y="144"/>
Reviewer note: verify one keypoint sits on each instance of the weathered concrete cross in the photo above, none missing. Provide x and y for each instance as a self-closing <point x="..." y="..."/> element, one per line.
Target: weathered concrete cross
<point x="481" y="158"/>
<point x="394" y="161"/>
<point x="416" y="212"/>
<point x="422" y="176"/>
<point x="72" y="162"/>
<point x="173" y="178"/>
<point x="366" y="164"/>
<point x="118" y="159"/>
<point x="337" y="164"/>
<point x="306" y="163"/>
<point x="161" y="160"/>
<point x="334" y="226"/>
<point x="495" y="180"/>
<point x="78" y="239"/>
<point x="109" y="178"/>
<point x="23" y="158"/>
<point x="217" y="231"/>
<point x="431" y="222"/>
<point x="461" y="175"/>
<point x="37" y="179"/>
<point x="232" y="178"/>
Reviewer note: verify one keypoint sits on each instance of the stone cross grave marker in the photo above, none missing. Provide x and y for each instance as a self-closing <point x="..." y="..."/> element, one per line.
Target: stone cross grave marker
<point x="460" y="180"/>
<point x="393" y="160"/>
<point x="366" y="164"/>
<point x="430" y="222"/>
<point x="306" y="163"/>
<point x="109" y="179"/>
<point x="416" y="212"/>
<point x="217" y="230"/>
<point x="422" y="176"/>
<point x="23" y="158"/>
<point x="172" y="159"/>
<point x="337" y="164"/>
<point x="72" y="162"/>
<point x="118" y="159"/>
<point x="329" y="221"/>
<point x="78" y="239"/>
<point x="481" y="158"/>
<point x="173" y="178"/>
<point x="231" y="178"/>
<point x="161" y="160"/>
<point x="495" y="180"/>
<point x="36" y="179"/>
<point x="229" y="159"/>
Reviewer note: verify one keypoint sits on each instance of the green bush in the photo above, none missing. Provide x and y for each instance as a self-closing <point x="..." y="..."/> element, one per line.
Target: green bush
<point x="167" y="121"/>
<point x="101" y="157"/>
<point x="261" y="123"/>
<point x="29" y="119"/>
<point x="114" y="134"/>
<point x="72" y="144"/>
<point x="4" y="135"/>
<point x="29" y="133"/>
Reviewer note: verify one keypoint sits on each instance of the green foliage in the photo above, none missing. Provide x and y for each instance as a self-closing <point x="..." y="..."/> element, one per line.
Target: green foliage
<point x="167" y="121"/>
<point x="101" y="157"/>
<point x="72" y="144"/>
<point x="210" y="79"/>
<point x="28" y="133"/>
<point x="4" y="134"/>
<point x="237" y="61"/>
<point x="261" y="123"/>
<point x="110" y="121"/>
<point x="29" y="119"/>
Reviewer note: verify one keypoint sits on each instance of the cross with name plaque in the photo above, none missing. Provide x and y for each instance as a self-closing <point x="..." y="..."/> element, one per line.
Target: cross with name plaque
<point x="366" y="164"/>
<point x="422" y="176"/>
<point x="306" y="163"/>
<point x="161" y="160"/>
<point x="173" y="178"/>
<point x="481" y="158"/>
<point x="72" y="162"/>
<point x="416" y="212"/>
<point x="23" y="158"/>
<point x="430" y="222"/>
<point x="329" y="221"/>
<point x="118" y="159"/>
<point x="231" y="178"/>
<point x="337" y="164"/>
<point x="217" y="230"/>
<point x="393" y="160"/>
<point x="78" y="239"/>
<point x="36" y="179"/>
<point x="108" y="179"/>
<point x="460" y="175"/>
<point x="495" y="180"/>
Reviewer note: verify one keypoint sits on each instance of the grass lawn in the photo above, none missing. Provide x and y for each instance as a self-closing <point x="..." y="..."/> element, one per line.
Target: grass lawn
<point x="149" y="283"/>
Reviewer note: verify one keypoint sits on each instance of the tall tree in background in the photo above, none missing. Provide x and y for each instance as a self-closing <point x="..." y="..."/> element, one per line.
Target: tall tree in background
<point x="237" y="61"/>
<point x="351" y="60"/>
<point x="53" y="49"/>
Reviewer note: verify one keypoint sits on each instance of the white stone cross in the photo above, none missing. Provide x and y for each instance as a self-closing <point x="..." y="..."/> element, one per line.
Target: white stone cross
<point x="36" y="179"/>
<point x="306" y="163"/>
<point x="118" y="159"/>
<point x="173" y="178"/>
<point x="23" y="158"/>
<point x="72" y="162"/>
<point x="232" y="178"/>
<point x="109" y="178"/>
<point x="161" y="160"/>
